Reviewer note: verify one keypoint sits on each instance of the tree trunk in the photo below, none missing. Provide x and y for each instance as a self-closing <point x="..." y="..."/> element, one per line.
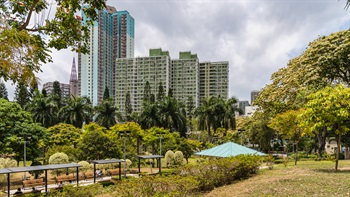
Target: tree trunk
<point x="338" y="148"/>
<point x="321" y="137"/>
<point x="208" y="130"/>
<point x="138" y="145"/>
<point x="296" y="153"/>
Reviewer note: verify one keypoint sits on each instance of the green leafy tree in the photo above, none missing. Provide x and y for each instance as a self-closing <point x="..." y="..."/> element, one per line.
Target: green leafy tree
<point x="57" y="94"/>
<point x="14" y="125"/>
<point x="106" y="113"/>
<point x="64" y="134"/>
<point x="21" y="95"/>
<point x="128" y="107"/>
<point x="147" y="93"/>
<point x="3" y="91"/>
<point x="190" y="107"/>
<point x="136" y="135"/>
<point x="170" y="93"/>
<point x="328" y="108"/>
<point x="161" y="93"/>
<point x="152" y="136"/>
<point x="188" y="147"/>
<point x="106" y="93"/>
<point x="96" y="144"/>
<point x="25" y="39"/>
<point x="287" y="124"/>
<point x="77" y="111"/>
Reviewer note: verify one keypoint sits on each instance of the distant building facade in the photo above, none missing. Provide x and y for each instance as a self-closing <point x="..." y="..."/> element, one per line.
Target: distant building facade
<point x="133" y="73"/>
<point x="250" y="110"/>
<point x="184" y="77"/>
<point x="65" y="89"/>
<point x="181" y="75"/>
<point x="213" y="79"/>
<point x="242" y="105"/>
<point x="111" y="37"/>
<point x="253" y="96"/>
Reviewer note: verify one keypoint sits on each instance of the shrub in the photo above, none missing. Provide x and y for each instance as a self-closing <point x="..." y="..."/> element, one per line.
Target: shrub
<point x="85" y="166"/>
<point x="222" y="171"/>
<point x="6" y="163"/>
<point x="178" y="158"/>
<point x="71" y="191"/>
<point x="58" y="158"/>
<point x="169" y="158"/>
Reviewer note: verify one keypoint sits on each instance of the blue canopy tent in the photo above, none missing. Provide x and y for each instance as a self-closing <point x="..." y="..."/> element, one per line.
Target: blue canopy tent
<point x="229" y="149"/>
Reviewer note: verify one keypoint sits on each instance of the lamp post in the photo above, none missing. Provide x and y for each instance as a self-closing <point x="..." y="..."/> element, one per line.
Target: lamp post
<point x="26" y="139"/>
<point x="124" y="134"/>
<point x="160" y="134"/>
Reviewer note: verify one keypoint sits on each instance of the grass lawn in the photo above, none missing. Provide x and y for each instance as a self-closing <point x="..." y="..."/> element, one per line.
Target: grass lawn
<point x="308" y="178"/>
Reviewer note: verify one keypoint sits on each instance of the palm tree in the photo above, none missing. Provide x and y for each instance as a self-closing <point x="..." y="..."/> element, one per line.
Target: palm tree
<point x="77" y="111"/>
<point x="171" y="115"/>
<point x="149" y="117"/>
<point x="205" y="114"/>
<point x="106" y="113"/>
<point x="230" y="109"/>
<point x="43" y="110"/>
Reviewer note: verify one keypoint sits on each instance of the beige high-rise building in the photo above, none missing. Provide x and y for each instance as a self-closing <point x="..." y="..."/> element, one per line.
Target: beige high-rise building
<point x="185" y="78"/>
<point x="131" y="75"/>
<point x="213" y="80"/>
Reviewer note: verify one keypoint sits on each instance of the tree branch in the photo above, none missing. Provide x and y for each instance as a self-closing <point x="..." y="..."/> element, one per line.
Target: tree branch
<point x="29" y="15"/>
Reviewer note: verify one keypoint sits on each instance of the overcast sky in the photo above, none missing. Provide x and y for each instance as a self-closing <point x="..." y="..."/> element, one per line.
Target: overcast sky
<point x="256" y="37"/>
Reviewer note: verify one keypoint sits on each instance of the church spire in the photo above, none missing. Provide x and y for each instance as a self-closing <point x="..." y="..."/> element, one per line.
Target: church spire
<point x="73" y="73"/>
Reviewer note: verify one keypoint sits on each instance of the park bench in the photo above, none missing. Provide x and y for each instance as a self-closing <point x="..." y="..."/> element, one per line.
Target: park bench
<point x="65" y="178"/>
<point x="33" y="182"/>
<point x="89" y="175"/>
<point x="113" y="172"/>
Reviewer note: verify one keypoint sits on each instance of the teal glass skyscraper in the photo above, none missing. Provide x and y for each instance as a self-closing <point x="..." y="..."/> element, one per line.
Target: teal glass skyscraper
<point x="111" y="37"/>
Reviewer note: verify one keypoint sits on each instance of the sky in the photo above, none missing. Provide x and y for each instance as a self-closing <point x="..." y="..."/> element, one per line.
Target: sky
<point x="256" y="37"/>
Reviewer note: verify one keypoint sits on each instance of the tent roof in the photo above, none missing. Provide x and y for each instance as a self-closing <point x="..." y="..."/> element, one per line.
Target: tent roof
<point x="229" y="149"/>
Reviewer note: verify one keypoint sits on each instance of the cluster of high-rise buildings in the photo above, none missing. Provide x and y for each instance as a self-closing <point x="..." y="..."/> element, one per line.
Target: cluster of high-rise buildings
<point x="111" y="63"/>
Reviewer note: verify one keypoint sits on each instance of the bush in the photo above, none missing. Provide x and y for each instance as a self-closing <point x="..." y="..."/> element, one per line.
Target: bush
<point x="71" y="191"/>
<point x="178" y="158"/>
<point x="58" y="158"/>
<point x="222" y="171"/>
<point x="169" y="158"/>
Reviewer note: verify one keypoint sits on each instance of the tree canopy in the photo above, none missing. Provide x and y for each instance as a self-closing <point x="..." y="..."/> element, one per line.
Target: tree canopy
<point x="28" y="28"/>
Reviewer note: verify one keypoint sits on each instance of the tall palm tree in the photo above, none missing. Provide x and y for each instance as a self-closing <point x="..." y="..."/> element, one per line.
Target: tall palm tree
<point x="106" y="113"/>
<point x="171" y="115"/>
<point x="229" y="113"/>
<point x="205" y="114"/>
<point x="149" y="117"/>
<point x="43" y="110"/>
<point x="77" y="111"/>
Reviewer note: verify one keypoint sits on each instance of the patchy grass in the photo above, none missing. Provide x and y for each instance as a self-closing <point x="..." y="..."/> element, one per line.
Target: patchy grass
<point x="308" y="178"/>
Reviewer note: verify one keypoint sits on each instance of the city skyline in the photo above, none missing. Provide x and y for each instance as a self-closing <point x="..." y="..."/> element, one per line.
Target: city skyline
<point x="256" y="38"/>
